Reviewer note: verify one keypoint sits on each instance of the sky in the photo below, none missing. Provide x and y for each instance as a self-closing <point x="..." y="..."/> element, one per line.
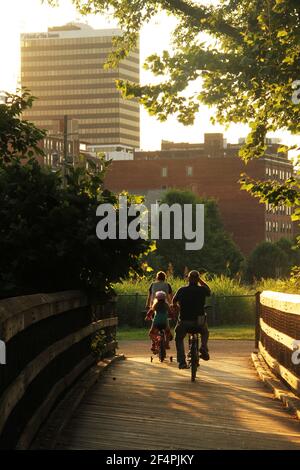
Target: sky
<point x="18" y="16"/>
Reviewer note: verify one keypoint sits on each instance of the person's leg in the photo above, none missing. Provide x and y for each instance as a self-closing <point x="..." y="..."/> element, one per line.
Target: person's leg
<point x="204" y="340"/>
<point x="169" y="336"/>
<point x="180" y="333"/>
<point x="153" y="333"/>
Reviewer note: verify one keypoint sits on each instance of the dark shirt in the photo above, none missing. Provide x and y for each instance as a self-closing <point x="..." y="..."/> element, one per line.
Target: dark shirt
<point x="191" y="300"/>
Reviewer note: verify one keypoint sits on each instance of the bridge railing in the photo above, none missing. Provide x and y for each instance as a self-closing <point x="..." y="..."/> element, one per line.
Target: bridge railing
<point x="48" y="340"/>
<point x="278" y="335"/>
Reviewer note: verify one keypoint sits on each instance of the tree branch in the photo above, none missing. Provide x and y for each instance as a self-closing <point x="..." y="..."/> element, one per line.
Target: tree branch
<point x="202" y="14"/>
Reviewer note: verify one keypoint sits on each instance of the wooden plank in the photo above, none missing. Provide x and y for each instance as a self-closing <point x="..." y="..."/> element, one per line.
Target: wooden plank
<point x="18" y="313"/>
<point x="43" y="411"/>
<point x="142" y="405"/>
<point x="278" y="335"/>
<point x="279" y="369"/>
<point x="288" y="303"/>
<point x="59" y="418"/>
<point x="18" y="387"/>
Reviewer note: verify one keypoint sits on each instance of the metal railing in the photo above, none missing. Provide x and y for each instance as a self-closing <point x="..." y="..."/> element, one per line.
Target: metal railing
<point x="226" y="310"/>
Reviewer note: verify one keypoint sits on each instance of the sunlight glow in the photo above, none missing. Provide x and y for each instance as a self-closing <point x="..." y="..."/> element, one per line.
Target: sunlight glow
<point x="18" y="16"/>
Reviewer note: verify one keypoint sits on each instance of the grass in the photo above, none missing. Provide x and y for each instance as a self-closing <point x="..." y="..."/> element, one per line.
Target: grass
<point x="236" y="332"/>
<point x="220" y="285"/>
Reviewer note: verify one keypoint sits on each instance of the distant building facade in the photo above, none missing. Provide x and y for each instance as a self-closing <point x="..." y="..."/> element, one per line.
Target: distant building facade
<point x="63" y="68"/>
<point x="115" y="152"/>
<point x="212" y="169"/>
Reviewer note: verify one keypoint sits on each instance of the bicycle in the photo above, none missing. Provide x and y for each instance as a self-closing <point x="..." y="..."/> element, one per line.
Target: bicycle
<point x="160" y="345"/>
<point x="193" y="355"/>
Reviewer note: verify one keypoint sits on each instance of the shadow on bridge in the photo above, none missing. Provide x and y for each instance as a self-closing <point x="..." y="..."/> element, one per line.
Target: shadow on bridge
<point x="143" y="405"/>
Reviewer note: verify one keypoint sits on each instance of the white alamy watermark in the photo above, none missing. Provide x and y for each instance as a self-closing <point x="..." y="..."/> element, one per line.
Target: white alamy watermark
<point x="2" y="353"/>
<point x="296" y="353"/>
<point x="136" y="221"/>
<point x="296" y="93"/>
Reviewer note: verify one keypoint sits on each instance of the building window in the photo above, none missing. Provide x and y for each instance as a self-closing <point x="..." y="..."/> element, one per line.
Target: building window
<point x="189" y="171"/>
<point x="164" y="172"/>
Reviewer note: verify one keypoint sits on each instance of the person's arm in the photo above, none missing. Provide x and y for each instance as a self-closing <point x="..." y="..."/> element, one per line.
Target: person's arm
<point x="175" y="304"/>
<point x="169" y="295"/>
<point x="203" y="284"/>
<point x="149" y="315"/>
<point x="148" y="301"/>
<point x="170" y="312"/>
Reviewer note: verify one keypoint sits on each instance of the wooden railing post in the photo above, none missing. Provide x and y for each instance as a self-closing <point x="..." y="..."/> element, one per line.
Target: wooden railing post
<point x="257" y="319"/>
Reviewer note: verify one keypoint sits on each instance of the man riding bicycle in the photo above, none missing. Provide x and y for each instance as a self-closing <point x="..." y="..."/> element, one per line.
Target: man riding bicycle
<point x="191" y="300"/>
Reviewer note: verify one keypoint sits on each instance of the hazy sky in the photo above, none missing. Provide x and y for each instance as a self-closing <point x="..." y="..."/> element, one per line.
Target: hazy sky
<point x="18" y="16"/>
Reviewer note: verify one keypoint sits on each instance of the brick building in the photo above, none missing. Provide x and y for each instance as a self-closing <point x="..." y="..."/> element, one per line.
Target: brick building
<point x="211" y="169"/>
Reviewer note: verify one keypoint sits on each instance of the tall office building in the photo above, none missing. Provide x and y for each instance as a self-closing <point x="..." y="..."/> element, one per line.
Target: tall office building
<point x="63" y="68"/>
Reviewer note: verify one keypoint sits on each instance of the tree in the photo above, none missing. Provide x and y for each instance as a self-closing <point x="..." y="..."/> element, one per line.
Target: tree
<point x="219" y="254"/>
<point x="48" y="236"/>
<point x="246" y="54"/>
<point x="292" y="252"/>
<point x="266" y="261"/>
<point x="19" y="138"/>
<point x="272" y="260"/>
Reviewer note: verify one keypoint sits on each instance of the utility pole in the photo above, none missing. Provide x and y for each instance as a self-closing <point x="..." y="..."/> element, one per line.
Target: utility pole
<point x="65" y="149"/>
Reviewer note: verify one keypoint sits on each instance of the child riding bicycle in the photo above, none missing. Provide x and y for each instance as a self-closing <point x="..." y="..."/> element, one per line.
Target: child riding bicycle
<point x="159" y="313"/>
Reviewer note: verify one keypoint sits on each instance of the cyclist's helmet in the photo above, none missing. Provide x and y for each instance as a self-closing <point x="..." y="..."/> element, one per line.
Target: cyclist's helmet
<point x="160" y="295"/>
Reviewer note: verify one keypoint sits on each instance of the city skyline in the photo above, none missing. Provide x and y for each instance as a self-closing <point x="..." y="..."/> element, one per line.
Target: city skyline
<point x="17" y="18"/>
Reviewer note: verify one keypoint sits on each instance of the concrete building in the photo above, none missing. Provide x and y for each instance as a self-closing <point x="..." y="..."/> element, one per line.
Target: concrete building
<point x="63" y="68"/>
<point x="110" y="152"/>
<point x="212" y="169"/>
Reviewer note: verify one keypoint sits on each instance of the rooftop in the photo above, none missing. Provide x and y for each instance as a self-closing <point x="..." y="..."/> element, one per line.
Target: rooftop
<point x="72" y="30"/>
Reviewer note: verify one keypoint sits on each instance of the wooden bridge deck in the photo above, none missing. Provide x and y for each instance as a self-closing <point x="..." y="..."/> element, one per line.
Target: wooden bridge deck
<point x="139" y="405"/>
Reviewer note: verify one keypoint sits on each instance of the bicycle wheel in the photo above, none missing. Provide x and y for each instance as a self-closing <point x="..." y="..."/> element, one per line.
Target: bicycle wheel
<point x="162" y="349"/>
<point x="194" y="360"/>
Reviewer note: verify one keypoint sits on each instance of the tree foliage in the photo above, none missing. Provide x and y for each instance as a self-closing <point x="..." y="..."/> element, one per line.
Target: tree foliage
<point x="272" y="260"/>
<point x="18" y="137"/>
<point x="48" y="236"/>
<point x="245" y="53"/>
<point x="219" y="254"/>
<point x="248" y="60"/>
